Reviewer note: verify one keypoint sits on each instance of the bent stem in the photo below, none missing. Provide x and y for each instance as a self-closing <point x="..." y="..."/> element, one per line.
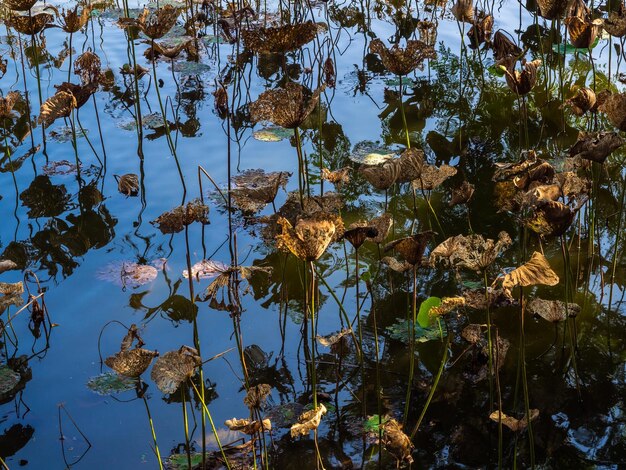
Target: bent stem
<point x="154" y="438"/>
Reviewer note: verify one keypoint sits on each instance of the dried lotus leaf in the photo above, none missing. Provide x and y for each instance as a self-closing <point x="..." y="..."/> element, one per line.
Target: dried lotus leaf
<point x="331" y="340"/>
<point x="614" y="107"/>
<point x="171" y="52"/>
<point x="11" y="288"/>
<point x="257" y="395"/>
<point x="248" y="426"/>
<point x="337" y="177"/>
<point x="480" y="31"/>
<point x="402" y="61"/>
<point x="59" y="105"/>
<point x="572" y="185"/>
<point x="308" y="421"/>
<point x="552" y="9"/>
<point x="286" y="107"/>
<point x="596" y="146"/>
<point x="309" y="238"/>
<point x="513" y="424"/>
<point x="279" y="39"/>
<point x="582" y="32"/>
<point x="80" y="93"/>
<point x="128" y="184"/>
<point x="550" y="218"/>
<point x="177" y="219"/>
<point x="615" y="24"/>
<point x="382" y="225"/>
<point x="157" y="24"/>
<point x="535" y="271"/>
<point x="130" y="338"/>
<point x="472" y="333"/>
<point x="255" y="189"/>
<point x="463" y="11"/>
<point x="411" y="164"/>
<point x="463" y="194"/>
<point x="396" y="442"/>
<point x="88" y="67"/>
<point x="357" y="235"/>
<point x="7" y="102"/>
<point x="553" y="310"/>
<point x="396" y="265"/>
<point x="30" y="25"/>
<point x="72" y="22"/>
<point x="19" y="5"/>
<point x="128" y="274"/>
<point x="412" y="248"/>
<point x="7" y="265"/>
<point x="432" y="177"/>
<point x="504" y="47"/>
<point x="471" y="252"/>
<point x="174" y="368"/>
<point x="382" y="177"/>
<point x="132" y="362"/>
<point x="520" y="82"/>
<point x="583" y="101"/>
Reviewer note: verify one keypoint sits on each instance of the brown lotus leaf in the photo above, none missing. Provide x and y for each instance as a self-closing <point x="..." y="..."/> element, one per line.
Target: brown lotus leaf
<point x="573" y="185"/>
<point x="550" y="218"/>
<point x="382" y="224"/>
<point x="541" y="173"/>
<point x="432" y="177"/>
<point x="128" y="274"/>
<point x="427" y="32"/>
<point x="553" y="310"/>
<point x="534" y="272"/>
<point x="7" y="265"/>
<point x="513" y="424"/>
<point x="132" y="362"/>
<point x="7" y="301"/>
<point x="257" y="395"/>
<point x="596" y="146"/>
<point x="463" y="194"/>
<point x="308" y="421"/>
<point x="71" y="21"/>
<point x="615" y="24"/>
<point x="330" y="76"/>
<point x="15" y="288"/>
<point x="543" y="192"/>
<point x="19" y="5"/>
<point x="157" y="24"/>
<point x="7" y="102"/>
<point x="58" y="105"/>
<point x="578" y="8"/>
<point x="337" y="177"/>
<point x="395" y="264"/>
<point x="447" y="305"/>
<point x="332" y="340"/>
<point x="255" y="189"/>
<point x="248" y="426"/>
<point x="162" y="49"/>
<point x="614" y="107"/>
<point x="583" y="101"/>
<point x="471" y="252"/>
<point x="463" y="10"/>
<point x="128" y="184"/>
<point x="472" y="333"/>
<point x="309" y="238"/>
<point x="504" y="47"/>
<point x="382" y="176"/>
<point x="476" y="299"/>
<point x="206" y="269"/>
<point x="552" y="9"/>
<point x="402" y="61"/>
<point x="286" y="107"/>
<point x="81" y="93"/>
<point x="396" y="442"/>
<point x="177" y="219"/>
<point x="480" y="31"/>
<point x="88" y="67"/>
<point x="279" y="39"/>
<point x="505" y="171"/>
<point x="411" y="163"/>
<point x="174" y="368"/>
<point x="582" y="32"/>
<point x="411" y="248"/>
<point x="30" y="25"/>
<point x="520" y="82"/>
<point x="357" y="235"/>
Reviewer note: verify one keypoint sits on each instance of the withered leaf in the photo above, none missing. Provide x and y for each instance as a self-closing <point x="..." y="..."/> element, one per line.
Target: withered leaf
<point x="128" y="184"/>
<point x="286" y="107"/>
<point x="552" y="9"/>
<point x="177" y="219"/>
<point x="308" y="421"/>
<point x="256" y="395"/>
<point x="59" y="105"/>
<point x="615" y="24"/>
<point x="553" y="310"/>
<point x="514" y="424"/>
<point x="396" y="442"/>
<point x="19" y="5"/>
<point x="431" y="177"/>
<point x="472" y="251"/>
<point x="520" y="82"/>
<point x="132" y="362"/>
<point x="504" y="47"/>
<point x="535" y="271"/>
<point x="582" y="31"/>
<point x="128" y="274"/>
<point x="584" y="100"/>
<point x="396" y="265"/>
<point x="411" y="248"/>
<point x="30" y="25"/>
<point x="331" y="340"/>
<point x="337" y="177"/>
<point x="157" y="24"/>
<point x="463" y="10"/>
<point x="14" y="288"/>
<point x="596" y="146"/>
<point x="206" y="269"/>
<point x="248" y="426"/>
<point x="279" y="39"/>
<point x="174" y="368"/>
<point x="403" y="61"/>
<point x="463" y="194"/>
<point x="7" y="102"/>
<point x="614" y="107"/>
<point x="550" y="218"/>
<point x="310" y="237"/>
<point x="357" y="235"/>
<point x="88" y="67"/>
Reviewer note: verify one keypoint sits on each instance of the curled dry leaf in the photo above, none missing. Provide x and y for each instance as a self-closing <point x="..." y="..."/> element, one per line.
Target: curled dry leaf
<point x="596" y="146"/>
<point x="514" y="424"/>
<point x="463" y="10"/>
<point x="333" y="339"/>
<point x="59" y="105"/>
<point x="552" y="9"/>
<point x="71" y="21"/>
<point x="412" y="248"/>
<point x="463" y="194"/>
<point x="132" y="362"/>
<point x="7" y="102"/>
<point x="130" y="338"/>
<point x="520" y="82"/>
<point x="447" y="305"/>
<point x="431" y="177"/>
<point x="279" y="39"/>
<point x="174" y="368"/>
<point x="403" y="61"/>
<point x="584" y="100"/>
<point x="248" y="426"/>
<point x="582" y="32"/>
<point x="504" y="47"/>
<point x="256" y="396"/>
<point x="7" y="265"/>
<point x="480" y="31"/>
<point x="505" y="171"/>
<point x="81" y="93"/>
<point x="396" y="442"/>
<point x="128" y="184"/>
<point x="471" y="252"/>
<point x="553" y="310"/>
<point x="286" y="107"/>
<point x="177" y="219"/>
<point x="30" y="25"/>
<point x="615" y="24"/>
<point x="382" y="176"/>
<point x="88" y="67"/>
<point x="157" y="24"/>
<point x="308" y="421"/>
<point x="427" y="32"/>
<point x="550" y="218"/>
<point x="14" y="288"/>
<point x="534" y="272"/>
<point x="337" y="177"/>
<point x="19" y="5"/>
<point x="310" y="237"/>
<point x="614" y="107"/>
<point x="357" y="235"/>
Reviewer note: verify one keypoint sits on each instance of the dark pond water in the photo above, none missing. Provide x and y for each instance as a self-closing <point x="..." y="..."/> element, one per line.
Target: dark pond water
<point x="93" y="261"/>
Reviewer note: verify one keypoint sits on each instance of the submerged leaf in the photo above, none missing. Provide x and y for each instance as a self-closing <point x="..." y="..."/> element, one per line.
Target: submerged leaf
<point x="110" y="383"/>
<point x="553" y="310"/>
<point x="128" y="274"/>
<point x="514" y="424"/>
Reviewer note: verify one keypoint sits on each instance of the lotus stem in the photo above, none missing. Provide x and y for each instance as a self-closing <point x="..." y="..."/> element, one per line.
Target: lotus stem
<point x="154" y="438"/>
<point x="404" y="123"/>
